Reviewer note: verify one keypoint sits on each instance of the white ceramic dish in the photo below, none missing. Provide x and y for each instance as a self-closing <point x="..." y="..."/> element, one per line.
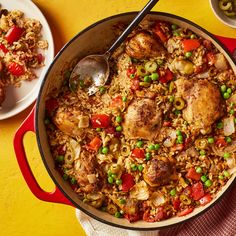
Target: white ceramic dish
<point x="17" y="99"/>
<point x="221" y="16"/>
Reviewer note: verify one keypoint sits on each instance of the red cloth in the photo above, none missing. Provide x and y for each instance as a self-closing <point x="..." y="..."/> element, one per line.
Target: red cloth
<point x="220" y="220"/>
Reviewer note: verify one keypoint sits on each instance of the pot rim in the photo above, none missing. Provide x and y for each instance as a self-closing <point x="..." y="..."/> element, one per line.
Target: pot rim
<point x="37" y="125"/>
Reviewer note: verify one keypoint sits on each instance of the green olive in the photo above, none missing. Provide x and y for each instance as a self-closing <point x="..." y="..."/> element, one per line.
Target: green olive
<point x="150" y="66"/>
<point x="179" y="103"/>
<point x="185" y="199"/>
<point x="225" y="5"/>
<point x="201" y="143"/>
<point x="141" y="71"/>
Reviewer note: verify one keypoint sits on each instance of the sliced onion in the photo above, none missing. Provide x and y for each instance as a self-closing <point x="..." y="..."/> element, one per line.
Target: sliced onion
<point x="170" y="140"/>
<point x="92" y="178"/>
<point x="203" y="75"/>
<point x="228" y="126"/>
<point x="157" y="199"/>
<point x="220" y="62"/>
<point x="231" y="162"/>
<point x="140" y="191"/>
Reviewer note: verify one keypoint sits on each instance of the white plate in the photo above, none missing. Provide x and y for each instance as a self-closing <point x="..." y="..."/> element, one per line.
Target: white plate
<point x="17" y="99"/>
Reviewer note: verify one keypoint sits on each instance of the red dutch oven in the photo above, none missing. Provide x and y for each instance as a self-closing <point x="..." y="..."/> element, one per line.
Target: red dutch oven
<point x="94" y="39"/>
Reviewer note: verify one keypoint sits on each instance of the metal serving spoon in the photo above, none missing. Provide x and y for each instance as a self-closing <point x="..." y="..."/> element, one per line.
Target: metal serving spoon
<point x="92" y="71"/>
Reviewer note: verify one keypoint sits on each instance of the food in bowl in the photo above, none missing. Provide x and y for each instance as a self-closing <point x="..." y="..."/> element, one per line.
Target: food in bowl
<point x="228" y="7"/>
<point x="21" y="49"/>
<point x="158" y="139"/>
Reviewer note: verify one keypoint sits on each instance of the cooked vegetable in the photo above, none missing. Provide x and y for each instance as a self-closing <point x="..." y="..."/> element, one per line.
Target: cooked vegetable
<point x="100" y="121"/>
<point x="179" y="103"/>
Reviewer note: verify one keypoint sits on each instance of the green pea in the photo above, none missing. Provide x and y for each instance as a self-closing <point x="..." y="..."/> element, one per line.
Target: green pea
<point x="232" y="111"/>
<point x="157" y="146"/>
<point x="102" y="90"/>
<point x="223" y="88"/>
<point x="154" y="76"/>
<point x="180" y="139"/>
<point x="140" y="143"/>
<point x="173" y="192"/>
<point x="65" y="176"/>
<point x="174" y="27"/>
<point x="171" y="99"/>
<point x="151" y="147"/>
<point x="211" y="140"/>
<point x="147" y="79"/>
<point x="193" y="36"/>
<point x="122" y="201"/>
<point x="229" y="90"/>
<point x="176" y="33"/>
<point x="178" y="133"/>
<point x="105" y="150"/>
<point x="73" y="181"/>
<point x="98" y="129"/>
<point x="226" y="173"/>
<point x="140" y="167"/>
<point x="226" y="155"/>
<point x="118" y="181"/>
<point x="113" y="176"/>
<point x="124" y="99"/>
<point x="221" y="177"/>
<point x="228" y="139"/>
<point x="133" y="167"/>
<point x="117" y="214"/>
<point x="188" y="54"/>
<point x="199" y="170"/>
<point x="202" y="152"/>
<point x="110" y="180"/>
<point x="60" y="159"/>
<point x="148" y="156"/>
<point x="118" y="119"/>
<point x="226" y="95"/>
<point x="208" y="183"/>
<point x="119" y="128"/>
<point x="219" y="125"/>
<point x="203" y="178"/>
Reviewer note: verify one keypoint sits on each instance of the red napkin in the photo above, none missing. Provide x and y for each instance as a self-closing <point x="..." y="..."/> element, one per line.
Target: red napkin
<point x="220" y="220"/>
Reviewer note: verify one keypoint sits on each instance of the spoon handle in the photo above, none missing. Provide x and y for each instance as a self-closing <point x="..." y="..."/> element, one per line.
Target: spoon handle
<point x="132" y="25"/>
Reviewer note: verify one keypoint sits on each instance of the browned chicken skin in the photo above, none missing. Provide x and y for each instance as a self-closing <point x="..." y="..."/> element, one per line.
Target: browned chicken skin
<point x="88" y="166"/>
<point x="159" y="171"/>
<point x="204" y="103"/>
<point x="144" y="45"/>
<point x="71" y="122"/>
<point x="142" y="120"/>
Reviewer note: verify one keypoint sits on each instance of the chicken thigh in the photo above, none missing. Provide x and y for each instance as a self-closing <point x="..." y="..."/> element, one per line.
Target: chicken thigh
<point x="204" y="103"/>
<point x="143" y="45"/>
<point x="142" y="120"/>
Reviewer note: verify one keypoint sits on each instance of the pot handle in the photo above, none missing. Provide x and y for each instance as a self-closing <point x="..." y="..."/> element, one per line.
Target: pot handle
<point x="55" y="196"/>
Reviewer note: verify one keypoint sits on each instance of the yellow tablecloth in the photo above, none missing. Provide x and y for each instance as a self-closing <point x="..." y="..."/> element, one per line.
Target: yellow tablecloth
<point x="20" y="212"/>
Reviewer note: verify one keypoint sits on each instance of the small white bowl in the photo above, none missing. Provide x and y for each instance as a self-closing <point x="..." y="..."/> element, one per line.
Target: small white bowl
<point x="220" y="14"/>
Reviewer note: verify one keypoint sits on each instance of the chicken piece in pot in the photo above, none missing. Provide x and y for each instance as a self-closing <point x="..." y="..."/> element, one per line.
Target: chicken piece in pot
<point x="142" y="120"/>
<point x="144" y="45"/>
<point x="159" y="171"/>
<point x="87" y="172"/>
<point x="204" y="103"/>
<point x="70" y="121"/>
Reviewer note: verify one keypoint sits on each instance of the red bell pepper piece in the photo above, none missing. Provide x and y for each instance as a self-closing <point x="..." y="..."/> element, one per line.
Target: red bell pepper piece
<point x="167" y="123"/>
<point x="3" y="48"/>
<point x="16" y="69"/>
<point x="160" y="33"/>
<point x="13" y="34"/>
<point x="190" y="44"/>
<point x="100" y="121"/>
<point x="220" y="142"/>
<point x="116" y="102"/>
<point x="192" y="174"/>
<point x="165" y="76"/>
<point x="95" y="144"/>
<point x="139" y="153"/>
<point x="185" y="211"/>
<point x="127" y="182"/>
<point x="176" y="204"/>
<point x="205" y="199"/>
<point x="131" y="71"/>
<point x="197" y="191"/>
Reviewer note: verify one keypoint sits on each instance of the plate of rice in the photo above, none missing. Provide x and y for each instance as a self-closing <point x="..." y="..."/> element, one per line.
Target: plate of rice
<point x="26" y="50"/>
